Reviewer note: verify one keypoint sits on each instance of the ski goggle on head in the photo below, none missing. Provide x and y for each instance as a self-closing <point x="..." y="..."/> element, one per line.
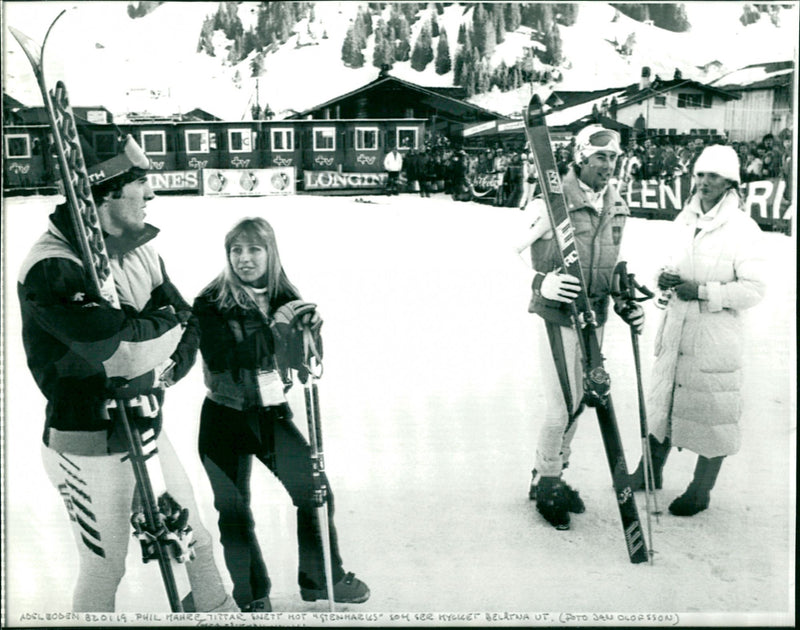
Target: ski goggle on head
<point x="594" y="139"/>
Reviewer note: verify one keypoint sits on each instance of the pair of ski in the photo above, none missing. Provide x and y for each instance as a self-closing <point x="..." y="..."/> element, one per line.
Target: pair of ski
<point x="159" y="522"/>
<point x="596" y="379"/>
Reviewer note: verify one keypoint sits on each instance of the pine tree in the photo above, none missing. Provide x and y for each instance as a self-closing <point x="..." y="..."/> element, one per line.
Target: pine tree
<point x="483" y="75"/>
<point x="552" y="42"/>
<point x="402" y="35"/>
<point x="462" y="33"/>
<point x="205" y="43"/>
<point x="383" y="53"/>
<point x="513" y="17"/>
<point x="434" y="26"/>
<point x="479" y="27"/>
<point x="423" y="49"/>
<point x="567" y="13"/>
<point x="499" y="24"/>
<point x="351" y="53"/>
<point x="442" y="63"/>
<point x="489" y="36"/>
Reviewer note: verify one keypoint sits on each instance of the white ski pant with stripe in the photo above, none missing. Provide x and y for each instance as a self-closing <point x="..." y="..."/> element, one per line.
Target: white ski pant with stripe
<point x="556" y="433"/>
<point x="98" y="494"/>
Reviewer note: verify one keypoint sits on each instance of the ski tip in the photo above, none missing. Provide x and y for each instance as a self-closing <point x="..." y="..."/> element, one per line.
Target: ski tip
<point x="535" y="112"/>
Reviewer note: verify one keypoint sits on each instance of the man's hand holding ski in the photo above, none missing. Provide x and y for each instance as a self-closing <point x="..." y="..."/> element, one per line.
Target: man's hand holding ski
<point x="561" y="287"/>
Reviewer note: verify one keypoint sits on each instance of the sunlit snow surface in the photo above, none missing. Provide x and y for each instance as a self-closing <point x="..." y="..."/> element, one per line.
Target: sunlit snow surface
<point x="430" y="416"/>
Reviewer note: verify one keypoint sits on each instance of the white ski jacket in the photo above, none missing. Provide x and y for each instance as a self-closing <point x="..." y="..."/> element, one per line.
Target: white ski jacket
<point x="696" y="378"/>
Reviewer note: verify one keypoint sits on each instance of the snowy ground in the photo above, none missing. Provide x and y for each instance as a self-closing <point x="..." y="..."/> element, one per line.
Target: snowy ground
<point x="429" y="407"/>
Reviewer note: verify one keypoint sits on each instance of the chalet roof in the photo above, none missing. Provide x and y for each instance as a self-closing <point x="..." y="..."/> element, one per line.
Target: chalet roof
<point x="757" y="76"/>
<point x="9" y="102"/>
<point x="634" y="93"/>
<point x="560" y="99"/>
<point x="435" y="98"/>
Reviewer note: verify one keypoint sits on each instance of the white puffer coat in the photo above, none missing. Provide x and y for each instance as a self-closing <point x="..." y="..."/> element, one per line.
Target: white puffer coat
<point x="696" y="379"/>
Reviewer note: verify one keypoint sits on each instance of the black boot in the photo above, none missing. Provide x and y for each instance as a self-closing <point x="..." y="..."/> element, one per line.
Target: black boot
<point x="698" y="495"/>
<point x="574" y="502"/>
<point x="659" y="451"/>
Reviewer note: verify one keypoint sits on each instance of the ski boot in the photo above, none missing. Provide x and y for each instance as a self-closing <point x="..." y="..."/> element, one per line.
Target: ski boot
<point x="575" y="503"/>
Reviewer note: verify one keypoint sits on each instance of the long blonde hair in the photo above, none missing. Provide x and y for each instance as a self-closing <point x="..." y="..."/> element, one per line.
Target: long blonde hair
<point x="228" y="288"/>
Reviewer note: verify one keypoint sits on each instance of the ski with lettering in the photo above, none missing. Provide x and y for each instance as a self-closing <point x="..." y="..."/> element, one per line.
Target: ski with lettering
<point x="596" y="380"/>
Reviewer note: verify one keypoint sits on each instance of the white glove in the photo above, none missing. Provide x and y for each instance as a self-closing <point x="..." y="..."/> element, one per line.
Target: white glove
<point x="560" y="287"/>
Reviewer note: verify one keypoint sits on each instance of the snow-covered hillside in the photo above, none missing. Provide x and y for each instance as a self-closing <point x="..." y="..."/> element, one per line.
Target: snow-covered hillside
<point x="151" y="63"/>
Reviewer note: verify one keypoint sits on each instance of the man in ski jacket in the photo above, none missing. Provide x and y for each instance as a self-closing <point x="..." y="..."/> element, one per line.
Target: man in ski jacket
<point x="86" y="356"/>
<point x="598" y="216"/>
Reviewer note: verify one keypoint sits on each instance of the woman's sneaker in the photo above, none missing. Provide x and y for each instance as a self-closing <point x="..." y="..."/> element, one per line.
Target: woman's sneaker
<point x="348" y="590"/>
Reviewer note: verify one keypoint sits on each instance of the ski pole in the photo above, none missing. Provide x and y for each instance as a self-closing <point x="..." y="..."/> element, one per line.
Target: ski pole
<point x="625" y="286"/>
<point x="314" y="368"/>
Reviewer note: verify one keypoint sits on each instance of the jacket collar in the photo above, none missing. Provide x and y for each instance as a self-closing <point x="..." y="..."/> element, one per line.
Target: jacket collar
<point x="577" y="197"/>
<point x="61" y="227"/>
<point x="717" y="216"/>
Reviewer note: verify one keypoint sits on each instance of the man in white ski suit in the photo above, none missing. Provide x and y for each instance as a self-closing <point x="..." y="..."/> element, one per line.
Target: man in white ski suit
<point x="598" y="215"/>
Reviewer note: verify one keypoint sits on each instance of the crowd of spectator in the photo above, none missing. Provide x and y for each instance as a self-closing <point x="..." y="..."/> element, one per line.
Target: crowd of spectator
<point x="440" y="167"/>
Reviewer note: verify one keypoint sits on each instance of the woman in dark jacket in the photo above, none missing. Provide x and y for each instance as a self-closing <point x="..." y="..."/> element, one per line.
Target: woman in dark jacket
<point x="245" y="413"/>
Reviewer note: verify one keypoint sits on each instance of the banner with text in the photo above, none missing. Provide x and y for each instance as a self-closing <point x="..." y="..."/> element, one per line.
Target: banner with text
<point x="248" y="182"/>
<point x="174" y="181"/>
<point x="333" y="180"/>
<point x="764" y="200"/>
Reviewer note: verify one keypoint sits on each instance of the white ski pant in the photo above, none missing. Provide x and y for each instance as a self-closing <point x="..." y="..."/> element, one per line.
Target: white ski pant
<point x="98" y="494"/>
<point x="555" y="436"/>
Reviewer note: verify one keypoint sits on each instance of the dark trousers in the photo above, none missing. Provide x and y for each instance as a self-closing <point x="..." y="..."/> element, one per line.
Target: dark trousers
<point x="392" y="182"/>
<point x="228" y="441"/>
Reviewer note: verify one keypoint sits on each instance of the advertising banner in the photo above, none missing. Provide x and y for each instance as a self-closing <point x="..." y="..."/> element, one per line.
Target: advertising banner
<point x="248" y="182"/>
<point x="333" y="180"/>
<point x="174" y="181"/>
<point x="483" y="185"/>
<point x="764" y="200"/>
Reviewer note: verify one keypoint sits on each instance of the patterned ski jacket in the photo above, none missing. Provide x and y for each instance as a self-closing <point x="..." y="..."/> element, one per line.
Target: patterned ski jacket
<point x="82" y="351"/>
<point x="235" y="343"/>
<point x="597" y="237"/>
<point x="697" y="373"/>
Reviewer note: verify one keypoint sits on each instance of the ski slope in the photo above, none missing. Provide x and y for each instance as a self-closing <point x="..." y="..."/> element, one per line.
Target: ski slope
<point x="429" y="413"/>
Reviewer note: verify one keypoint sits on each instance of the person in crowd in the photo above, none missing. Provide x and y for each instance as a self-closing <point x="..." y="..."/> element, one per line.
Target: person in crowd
<point x="716" y="269"/>
<point x="427" y="173"/>
<point x="411" y="169"/>
<point x="528" y="179"/>
<point x="754" y="169"/>
<point x="245" y="414"/>
<point x="598" y="214"/>
<point x="89" y="356"/>
<point x="786" y="167"/>
<point x="460" y="169"/>
<point x="393" y="164"/>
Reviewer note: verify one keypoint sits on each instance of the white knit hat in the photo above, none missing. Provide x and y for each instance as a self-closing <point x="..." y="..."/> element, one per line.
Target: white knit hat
<point x="721" y="160"/>
<point x="593" y="139"/>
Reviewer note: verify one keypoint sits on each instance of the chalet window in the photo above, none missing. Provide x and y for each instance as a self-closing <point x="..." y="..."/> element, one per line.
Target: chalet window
<point x="239" y="141"/>
<point x="707" y="100"/>
<point x="154" y="142"/>
<point x="406" y="138"/>
<point x="660" y="101"/>
<point x="18" y="145"/>
<point x="690" y="100"/>
<point x="282" y="139"/>
<point x="366" y="138"/>
<point x="197" y="141"/>
<point x="105" y="145"/>
<point x="324" y="139"/>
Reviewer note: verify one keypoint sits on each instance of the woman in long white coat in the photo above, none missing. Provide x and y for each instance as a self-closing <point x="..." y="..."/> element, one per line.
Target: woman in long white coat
<point x="716" y="269"/>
